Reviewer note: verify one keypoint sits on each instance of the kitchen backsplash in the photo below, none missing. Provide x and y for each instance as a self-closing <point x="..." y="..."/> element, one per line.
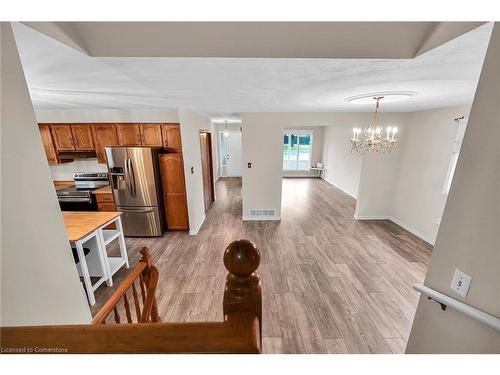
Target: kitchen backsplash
<point x="65" y="171"/>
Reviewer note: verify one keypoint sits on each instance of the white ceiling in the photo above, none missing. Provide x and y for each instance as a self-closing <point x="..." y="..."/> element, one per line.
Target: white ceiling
<point x="60" y="77"/>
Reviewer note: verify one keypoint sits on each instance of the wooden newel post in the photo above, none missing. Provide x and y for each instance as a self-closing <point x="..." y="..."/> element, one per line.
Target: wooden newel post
<point x="149" y="278"/>
<point x="242" y="292"/>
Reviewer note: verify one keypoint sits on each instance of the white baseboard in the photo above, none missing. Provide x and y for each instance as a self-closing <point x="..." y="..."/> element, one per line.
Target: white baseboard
<point x="260" y="218"/>
<point x="372" y="217"/>
<point x="410" y="229"/>
<point x="338" y="187"/>
<point x="194" y="231"/>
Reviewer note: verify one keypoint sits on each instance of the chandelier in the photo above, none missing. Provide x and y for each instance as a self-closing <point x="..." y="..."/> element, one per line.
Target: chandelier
<point x="372" y="137"/>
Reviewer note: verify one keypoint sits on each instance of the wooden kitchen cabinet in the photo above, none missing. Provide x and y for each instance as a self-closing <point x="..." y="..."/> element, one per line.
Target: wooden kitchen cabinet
<point x="72" y="137"/>
<point x="104" y="136"/>
<point x="63" y="137"/>
<point x="128" y="134"/>
<point x="106" y="203"/>
<point x="172" y="137"/>
<point x="48" y="144"/>
<point x="174" y="191"/>
<point x="82" y="137"/>
<point x="151" y="135"/>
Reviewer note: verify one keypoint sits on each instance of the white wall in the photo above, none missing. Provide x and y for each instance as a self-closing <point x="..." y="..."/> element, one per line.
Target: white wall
<point x="65" y="171"/>
<point x="376" y="184"/>
<point x="39" y="280"/>
<point x="262" y="139"/>
<point x="316" y="152"/>
<point x="191" y="124"/>
<point x="468" y="237"/>
<point x="343" y="168"/>
<point x="425" y="153"/>
<point x="107" y="115"/>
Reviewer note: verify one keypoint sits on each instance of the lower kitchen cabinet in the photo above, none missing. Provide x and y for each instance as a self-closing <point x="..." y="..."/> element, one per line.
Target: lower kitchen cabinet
<point x="105" y="202"/>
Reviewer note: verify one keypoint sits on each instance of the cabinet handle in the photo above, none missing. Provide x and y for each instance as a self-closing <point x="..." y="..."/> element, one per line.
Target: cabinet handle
<point x="139" y="137"/>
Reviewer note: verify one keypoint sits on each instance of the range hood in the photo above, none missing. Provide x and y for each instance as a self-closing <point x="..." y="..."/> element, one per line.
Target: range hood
<point x="71" y="155"/>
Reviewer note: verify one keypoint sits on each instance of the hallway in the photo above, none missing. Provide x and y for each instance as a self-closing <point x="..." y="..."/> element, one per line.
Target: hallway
<point x="330" y="283"/>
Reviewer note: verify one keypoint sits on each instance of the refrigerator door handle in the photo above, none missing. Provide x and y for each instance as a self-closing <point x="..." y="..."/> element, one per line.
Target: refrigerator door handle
<point x="136" y="210"/>
<point x="127" y="176"/>
<point x="132" y="175"/>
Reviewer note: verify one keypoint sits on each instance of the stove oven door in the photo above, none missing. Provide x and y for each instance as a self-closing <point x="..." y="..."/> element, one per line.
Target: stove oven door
<point x="78" y="204"/>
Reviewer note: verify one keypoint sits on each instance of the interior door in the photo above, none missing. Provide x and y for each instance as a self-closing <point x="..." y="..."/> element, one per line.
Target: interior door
<point x="82" y="137"/>
<point x="206" y="166"/>
<point x="151" y="135"/>
<point x="128" y="134"/>
<point x="233" y="154"/>
<point x="63" y="138"/>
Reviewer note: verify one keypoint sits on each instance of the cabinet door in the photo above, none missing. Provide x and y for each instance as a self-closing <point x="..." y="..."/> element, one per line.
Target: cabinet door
<point x="63" y="137"/>
<point x="174" y="191"/>
<point x="48" y="144"/>
<point x="104" y="136"/>
<point x="151" y="135"/>
<point x="82" y="137"/>
<point x="172" y="137"/>
<point x="107" y="207"/>
<point x="128" y="135"/>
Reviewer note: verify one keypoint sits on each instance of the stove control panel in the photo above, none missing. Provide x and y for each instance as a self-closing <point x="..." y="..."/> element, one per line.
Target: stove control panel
<point x="90" y="176"/>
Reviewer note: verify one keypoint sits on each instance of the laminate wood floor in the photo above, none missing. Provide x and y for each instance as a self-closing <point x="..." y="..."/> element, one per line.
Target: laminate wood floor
<point x="331" y="284"/>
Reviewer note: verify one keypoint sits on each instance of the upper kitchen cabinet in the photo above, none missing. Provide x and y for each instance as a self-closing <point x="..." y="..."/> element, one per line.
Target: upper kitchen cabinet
<point x="129" y="134"/>
<point x="104" y="136"/>
<point x="151" y="135"/>
<point x="172" y="137"/>
<point x="63" y="137"/>
<point x="82" y="137"/>
<point x="48" y="144"/>
<point x="72" y="137"/>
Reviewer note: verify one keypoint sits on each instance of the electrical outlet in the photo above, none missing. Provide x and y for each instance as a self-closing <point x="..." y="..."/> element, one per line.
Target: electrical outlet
<point x="460" y="283"/>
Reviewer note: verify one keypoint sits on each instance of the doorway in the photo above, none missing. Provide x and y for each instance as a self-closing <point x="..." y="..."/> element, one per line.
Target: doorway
<point x="231" y="158"/>
<point x="207" y="168"/>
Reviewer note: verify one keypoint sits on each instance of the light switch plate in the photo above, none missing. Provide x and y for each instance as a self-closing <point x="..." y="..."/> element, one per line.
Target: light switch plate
<point x="460" y="283"/>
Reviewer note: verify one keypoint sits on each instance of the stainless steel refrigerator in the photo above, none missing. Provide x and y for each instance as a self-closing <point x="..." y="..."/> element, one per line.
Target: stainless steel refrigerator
<point x="136" y="184"/>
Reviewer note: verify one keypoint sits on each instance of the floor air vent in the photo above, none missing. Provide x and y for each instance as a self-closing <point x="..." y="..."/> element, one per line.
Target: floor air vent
<point x="261" y="212"/>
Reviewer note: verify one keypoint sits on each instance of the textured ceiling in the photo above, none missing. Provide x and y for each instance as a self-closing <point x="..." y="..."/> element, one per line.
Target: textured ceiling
<point x="60" y="77"/>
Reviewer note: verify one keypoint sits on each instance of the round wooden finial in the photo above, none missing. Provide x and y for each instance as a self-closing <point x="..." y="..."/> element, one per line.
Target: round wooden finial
<point x="144" y="251"/>
<point x="241" y="258"/>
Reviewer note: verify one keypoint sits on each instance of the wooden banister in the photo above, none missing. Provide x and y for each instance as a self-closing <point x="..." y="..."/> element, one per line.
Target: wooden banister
<point x="148" y="275"/>
<point x="242" y="292"/>
<point x="239" y="332"/>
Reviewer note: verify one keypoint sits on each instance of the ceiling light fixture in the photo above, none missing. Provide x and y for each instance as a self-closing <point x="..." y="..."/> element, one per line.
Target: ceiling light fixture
<point x="372" y="138"/>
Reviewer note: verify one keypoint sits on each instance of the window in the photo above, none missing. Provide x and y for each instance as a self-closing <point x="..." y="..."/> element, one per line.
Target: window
<point x="457" y="144"/>
<point x="297" y="146"/>
<point x="222" y="151"/>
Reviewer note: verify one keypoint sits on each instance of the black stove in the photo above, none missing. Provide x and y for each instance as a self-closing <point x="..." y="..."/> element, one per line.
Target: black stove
<point x="80" y="197"/>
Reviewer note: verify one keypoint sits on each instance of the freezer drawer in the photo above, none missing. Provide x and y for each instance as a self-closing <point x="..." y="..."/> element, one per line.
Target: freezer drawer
<point x="141" y="221"/>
